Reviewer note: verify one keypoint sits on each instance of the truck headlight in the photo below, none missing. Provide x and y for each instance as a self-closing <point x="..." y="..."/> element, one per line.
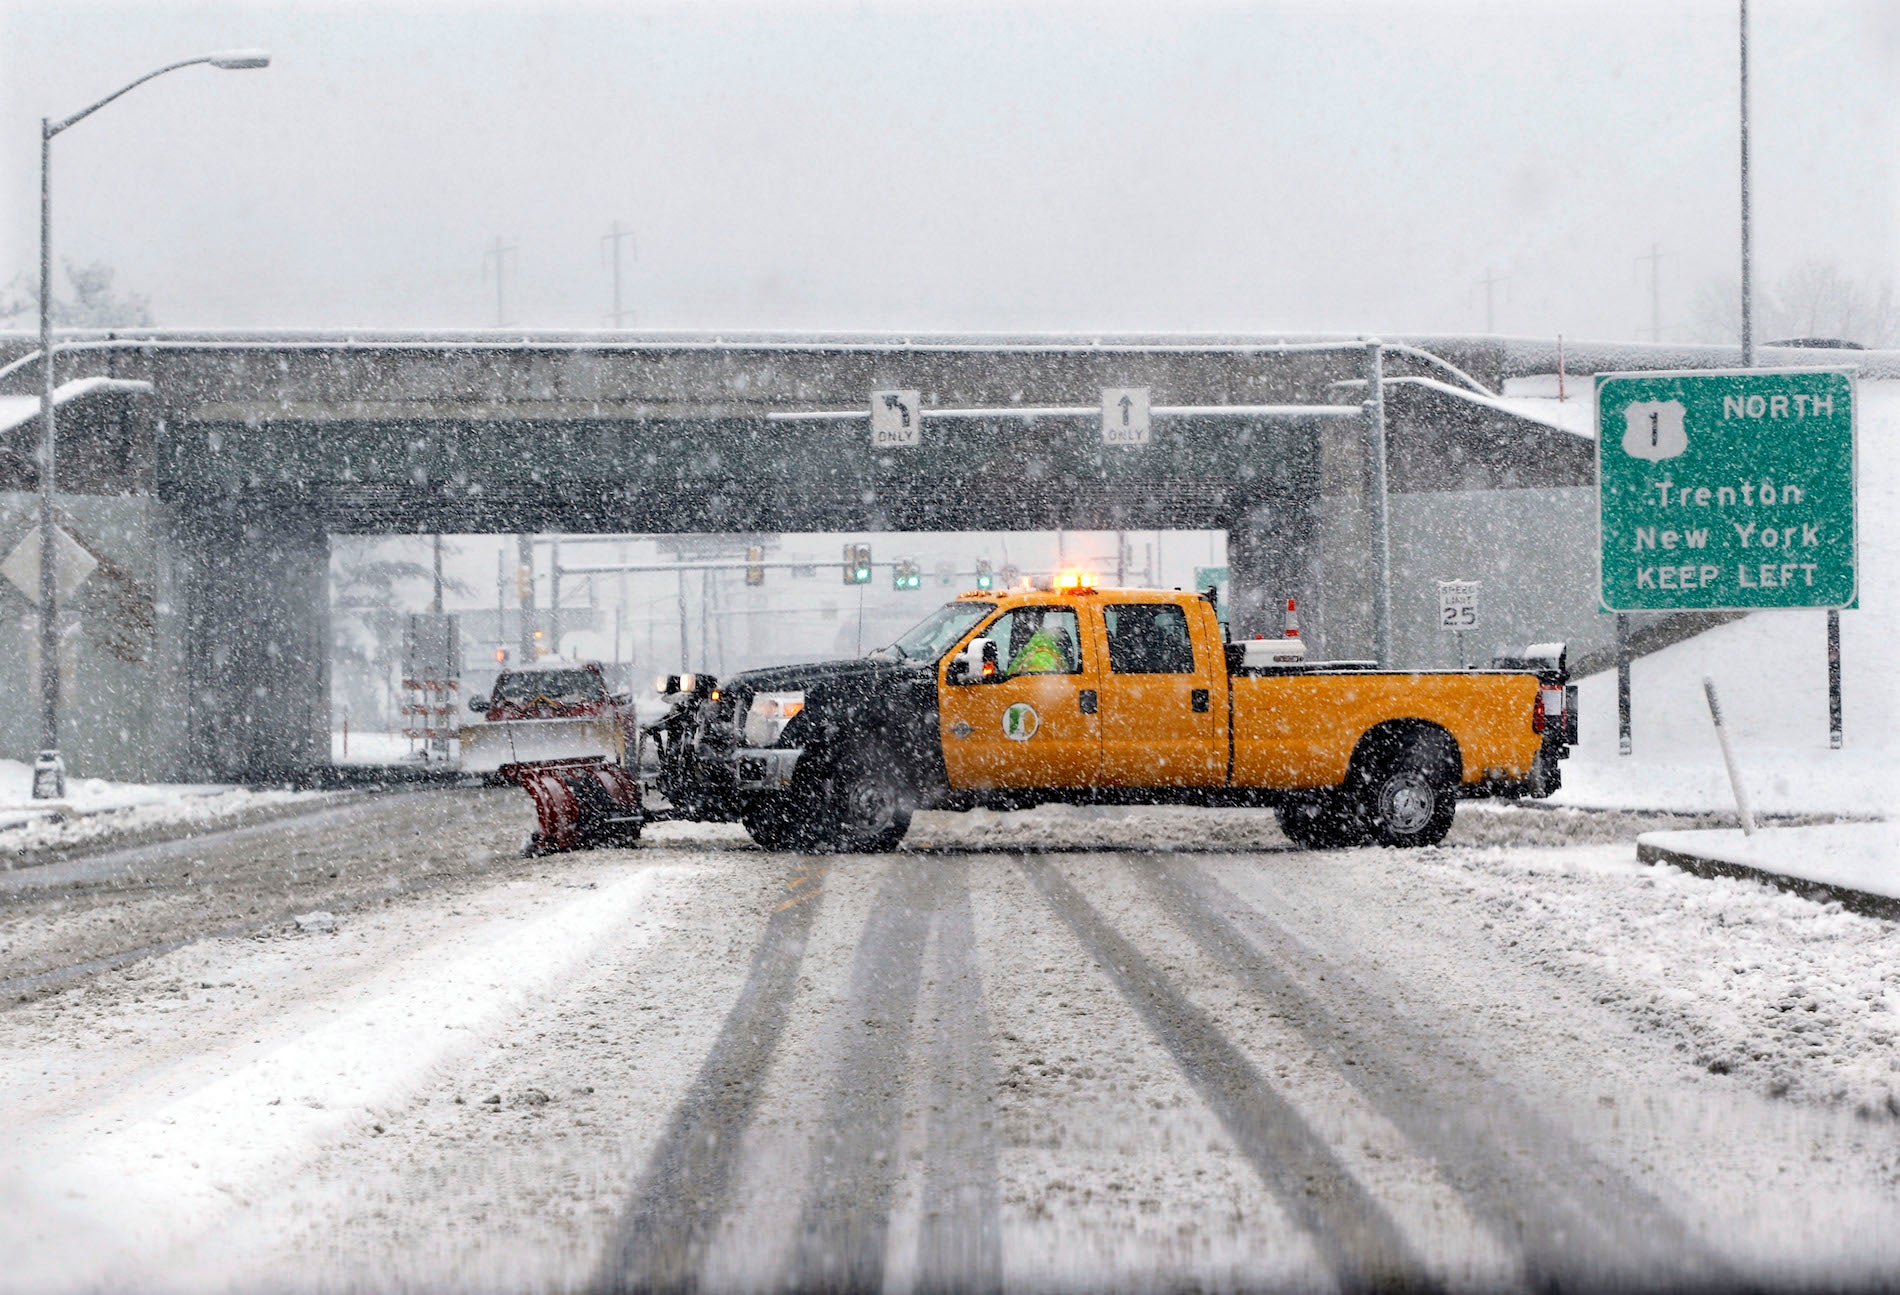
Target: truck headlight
<point x="769" y="714"/>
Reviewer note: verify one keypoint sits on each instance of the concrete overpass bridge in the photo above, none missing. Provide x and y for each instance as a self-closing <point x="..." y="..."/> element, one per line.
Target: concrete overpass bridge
<point x="210" y="502"/>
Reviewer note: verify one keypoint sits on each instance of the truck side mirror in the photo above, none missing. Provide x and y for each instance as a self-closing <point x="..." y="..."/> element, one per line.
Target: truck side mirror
<point x="479" y="705"/>
<point x="975" y="664"/>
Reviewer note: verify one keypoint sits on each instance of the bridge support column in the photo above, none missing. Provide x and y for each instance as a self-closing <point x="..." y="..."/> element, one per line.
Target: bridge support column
<point x="1270" y="558"/>
<point x="257" y="642"/>
<point x="1273" y="539"/>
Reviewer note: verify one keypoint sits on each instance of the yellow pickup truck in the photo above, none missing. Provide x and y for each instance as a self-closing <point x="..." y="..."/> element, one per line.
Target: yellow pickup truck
<point x="1121" y="696"/>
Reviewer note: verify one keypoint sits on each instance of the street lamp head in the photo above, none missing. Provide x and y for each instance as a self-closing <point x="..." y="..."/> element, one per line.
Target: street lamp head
<point x="234" y="59"/>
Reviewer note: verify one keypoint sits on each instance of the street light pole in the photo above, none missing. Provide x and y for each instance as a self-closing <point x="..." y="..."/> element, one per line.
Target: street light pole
<point x="1748" y="257"/>
<point x="49" y="769"/>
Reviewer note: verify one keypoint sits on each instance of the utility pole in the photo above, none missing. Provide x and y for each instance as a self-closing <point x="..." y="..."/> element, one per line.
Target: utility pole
<point x="1380" y="504"/>
<point x="554" y="597"/>
<point x="524" y="590"/>
<point x="613" y="238"/>
<point x="1655" y="259"/>
<point x="499" y="253"/>
<point x="685" y="655"/>
<point x="501" y="595"/>
<point x="439" y="696"/>
<point x="1489" y="283"/>
<point x="1748" y="287"/>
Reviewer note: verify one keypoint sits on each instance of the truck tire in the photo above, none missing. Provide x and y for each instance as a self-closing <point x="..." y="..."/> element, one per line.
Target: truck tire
<point x="1324" y="820"/>
<point x="779" y="822"/>
<point x="866" y="805"/>
<point x="1407" y="798"/>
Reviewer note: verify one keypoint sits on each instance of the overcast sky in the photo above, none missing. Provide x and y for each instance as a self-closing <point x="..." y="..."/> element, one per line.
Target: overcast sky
<point x="1257" y="167"/>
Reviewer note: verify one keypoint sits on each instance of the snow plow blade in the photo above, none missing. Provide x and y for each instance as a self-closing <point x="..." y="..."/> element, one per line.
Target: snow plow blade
<point x="492" y="746"/>
<point x="580" y="803"/>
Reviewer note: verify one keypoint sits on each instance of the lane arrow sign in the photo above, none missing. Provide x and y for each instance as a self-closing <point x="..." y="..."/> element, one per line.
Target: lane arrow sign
<point x="1131" y="428"/>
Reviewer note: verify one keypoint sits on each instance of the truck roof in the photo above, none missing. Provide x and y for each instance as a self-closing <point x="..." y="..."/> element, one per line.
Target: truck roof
<point x="1007" y="598"/>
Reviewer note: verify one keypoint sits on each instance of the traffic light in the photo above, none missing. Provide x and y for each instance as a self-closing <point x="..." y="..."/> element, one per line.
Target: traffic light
<point x="501" y="656"/>
<point x="985" y="578"/>
<point x="755" y="575"/>
<point x="1010" y="576"/>
<point x="857" y="564"/>
<point x="524" y="582"/>
<point x="905" y="574"/>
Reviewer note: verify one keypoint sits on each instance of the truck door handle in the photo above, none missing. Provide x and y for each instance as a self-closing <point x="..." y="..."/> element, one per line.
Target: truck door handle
<point x="1200" y="699"/>
<point x="1087" y="701"/>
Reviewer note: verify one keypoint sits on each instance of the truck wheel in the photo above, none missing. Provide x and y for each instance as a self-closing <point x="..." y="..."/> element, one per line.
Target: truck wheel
<point x="868" y="807"/>
<point x="1409" y="798"/>
<point x="779" y="822"/>
<point x="1321" y="821"/>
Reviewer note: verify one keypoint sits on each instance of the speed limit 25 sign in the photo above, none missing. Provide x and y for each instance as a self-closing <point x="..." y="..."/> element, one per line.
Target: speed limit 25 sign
<point x="1458" y="604"/>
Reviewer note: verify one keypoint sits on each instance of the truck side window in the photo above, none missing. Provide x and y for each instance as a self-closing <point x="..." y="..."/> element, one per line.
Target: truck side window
<point x="1148" y="638"/>
<point x="1037" y="640"/>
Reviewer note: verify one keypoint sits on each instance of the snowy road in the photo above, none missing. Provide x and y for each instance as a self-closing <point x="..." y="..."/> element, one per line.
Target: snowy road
<point x="1061" y="1050"/>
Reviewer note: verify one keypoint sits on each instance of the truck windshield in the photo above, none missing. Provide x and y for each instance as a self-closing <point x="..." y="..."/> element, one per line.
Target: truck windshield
<point x="563" y="687"/>
<point x="938" y="632"/>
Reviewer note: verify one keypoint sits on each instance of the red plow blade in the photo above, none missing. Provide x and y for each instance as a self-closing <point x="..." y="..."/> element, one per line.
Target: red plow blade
<point x="580" y="803"/>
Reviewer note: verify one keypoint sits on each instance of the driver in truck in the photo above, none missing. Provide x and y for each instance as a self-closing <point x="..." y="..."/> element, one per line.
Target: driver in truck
<point x="1044" y="650"/>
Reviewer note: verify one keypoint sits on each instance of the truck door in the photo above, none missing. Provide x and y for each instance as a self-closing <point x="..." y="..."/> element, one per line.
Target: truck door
<point x="1035" y="723"/>
<point x="1164" y="699"/>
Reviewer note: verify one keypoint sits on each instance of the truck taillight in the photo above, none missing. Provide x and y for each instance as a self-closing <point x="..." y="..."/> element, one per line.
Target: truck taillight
<point x="1537" y="713"/>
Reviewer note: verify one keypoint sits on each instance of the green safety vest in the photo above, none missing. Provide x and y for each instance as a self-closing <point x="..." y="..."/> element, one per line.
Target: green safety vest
<point x="1039" y="656"/>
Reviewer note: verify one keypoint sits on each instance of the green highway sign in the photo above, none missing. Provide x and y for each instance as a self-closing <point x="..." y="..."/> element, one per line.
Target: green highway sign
<point x="1725" y="491"/>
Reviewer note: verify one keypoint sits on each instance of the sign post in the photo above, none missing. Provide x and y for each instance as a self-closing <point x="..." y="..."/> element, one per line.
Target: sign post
<point x="1458" y="610"/>
<point x="1727" y="491"/>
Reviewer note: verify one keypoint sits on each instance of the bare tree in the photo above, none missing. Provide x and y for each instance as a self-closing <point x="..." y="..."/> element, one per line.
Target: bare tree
<point x="1815" y="299"/>
<point x="90" y="301"/>
<point x="374" y="585"/>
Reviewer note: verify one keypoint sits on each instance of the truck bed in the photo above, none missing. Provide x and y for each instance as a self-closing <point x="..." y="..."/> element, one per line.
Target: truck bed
<point x="1298" y="727"/>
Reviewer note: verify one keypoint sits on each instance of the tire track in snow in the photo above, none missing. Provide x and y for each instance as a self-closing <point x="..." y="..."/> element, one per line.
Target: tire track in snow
<point x="1352" y="1231"/>
<point x="659" y="1241"/>
<point x="961" y="1242"/>
<point x="846" y="1217"/>
<point x="1572" y="1219"/>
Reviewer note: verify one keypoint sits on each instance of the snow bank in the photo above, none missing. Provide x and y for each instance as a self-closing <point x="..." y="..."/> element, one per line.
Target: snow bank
<point x="1796" y="999"/>
<point x="1864" y="857"/>
<point x="96" y="809"/>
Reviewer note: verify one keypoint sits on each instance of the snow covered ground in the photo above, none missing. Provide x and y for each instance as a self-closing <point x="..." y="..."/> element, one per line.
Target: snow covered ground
<point x="1525" y="1060"/>
<point x="96" y="809"/>
<point x="373" y="748"/>
<point x="1862" y="857"/>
